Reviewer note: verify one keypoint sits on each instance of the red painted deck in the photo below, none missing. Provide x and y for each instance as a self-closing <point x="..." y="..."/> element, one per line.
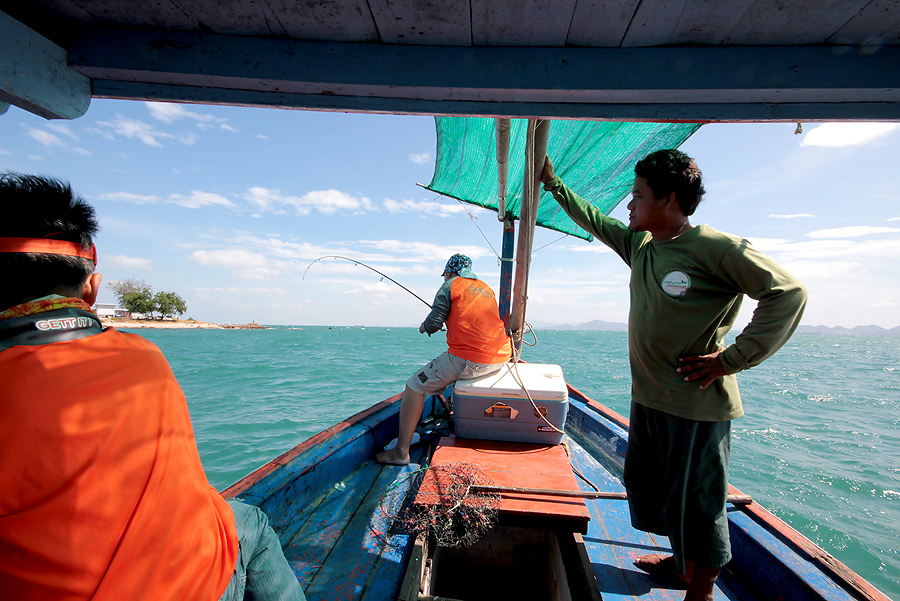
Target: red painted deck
<point x="522" y="465"/>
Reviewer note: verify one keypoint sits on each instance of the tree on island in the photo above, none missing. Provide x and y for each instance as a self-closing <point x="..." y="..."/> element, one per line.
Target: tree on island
<point x="136" y="296"/>
<point x="169" y="304"/>
<point x="139" y="302"/>
<point x="129" y="286"/>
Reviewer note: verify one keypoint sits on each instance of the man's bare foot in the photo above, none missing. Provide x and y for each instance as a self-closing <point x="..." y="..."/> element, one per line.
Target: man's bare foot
<point x="663" y="566"/>
<point x="700" y="588"/>
<point x="392" y="457"/>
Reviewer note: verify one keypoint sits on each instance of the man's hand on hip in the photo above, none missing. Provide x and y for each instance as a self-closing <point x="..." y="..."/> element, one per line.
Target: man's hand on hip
<point x="706" y="368"/>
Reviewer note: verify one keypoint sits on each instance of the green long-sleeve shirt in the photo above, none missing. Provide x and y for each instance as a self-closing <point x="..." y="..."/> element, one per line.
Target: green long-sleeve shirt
<point x="685" y="296"/>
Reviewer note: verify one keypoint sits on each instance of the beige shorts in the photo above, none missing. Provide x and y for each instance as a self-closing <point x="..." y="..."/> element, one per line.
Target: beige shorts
<point x="446" y="369"/>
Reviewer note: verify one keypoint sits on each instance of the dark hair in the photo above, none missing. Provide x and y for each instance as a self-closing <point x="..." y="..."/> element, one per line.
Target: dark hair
<point x="673" y="171"/>
<point x="32" y="206"/>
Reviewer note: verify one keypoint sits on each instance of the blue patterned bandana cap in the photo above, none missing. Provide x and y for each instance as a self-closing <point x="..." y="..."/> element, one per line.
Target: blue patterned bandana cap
<point x="462" y="265"/>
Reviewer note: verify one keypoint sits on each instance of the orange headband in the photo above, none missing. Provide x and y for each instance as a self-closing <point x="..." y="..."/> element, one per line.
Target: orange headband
<point x="48" y="246"/>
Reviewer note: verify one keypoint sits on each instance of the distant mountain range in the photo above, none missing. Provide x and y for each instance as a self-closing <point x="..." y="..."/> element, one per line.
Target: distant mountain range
<point x="611" y="326"/>
<point x="857" y="331"/>
<point x="597" y="324"/>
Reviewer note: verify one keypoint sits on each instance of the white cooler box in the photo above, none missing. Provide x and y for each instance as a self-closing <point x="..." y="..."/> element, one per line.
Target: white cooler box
<point x="496" y="407"/>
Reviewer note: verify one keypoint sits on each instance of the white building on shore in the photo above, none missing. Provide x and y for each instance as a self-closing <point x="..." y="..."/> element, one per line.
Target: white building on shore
<point x="109" y="310"/>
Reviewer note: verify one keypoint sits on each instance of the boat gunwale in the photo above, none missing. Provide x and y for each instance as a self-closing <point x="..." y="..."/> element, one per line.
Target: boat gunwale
<point x="287" y="457"/>
<point x="843" y="575"/>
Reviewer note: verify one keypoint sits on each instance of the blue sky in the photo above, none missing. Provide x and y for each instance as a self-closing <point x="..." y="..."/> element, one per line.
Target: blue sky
<point x="228" y="206"/>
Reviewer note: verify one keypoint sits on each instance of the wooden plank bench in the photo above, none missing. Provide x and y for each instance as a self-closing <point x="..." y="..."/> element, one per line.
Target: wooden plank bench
<point x="522" y="465"/>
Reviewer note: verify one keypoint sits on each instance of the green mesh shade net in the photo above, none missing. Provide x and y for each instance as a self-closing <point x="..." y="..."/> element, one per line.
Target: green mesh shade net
<point x="594" y="158"/>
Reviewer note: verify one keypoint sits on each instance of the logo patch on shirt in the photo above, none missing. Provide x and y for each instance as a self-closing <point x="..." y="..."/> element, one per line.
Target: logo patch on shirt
<point x="63" y="323"/>
<point x="676" y="283"/>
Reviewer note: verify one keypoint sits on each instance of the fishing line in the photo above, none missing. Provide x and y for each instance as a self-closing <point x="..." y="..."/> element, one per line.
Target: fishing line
<point x="356" y="262"/>
<point x="549" y="243"/>
<point x="472" y="217"/>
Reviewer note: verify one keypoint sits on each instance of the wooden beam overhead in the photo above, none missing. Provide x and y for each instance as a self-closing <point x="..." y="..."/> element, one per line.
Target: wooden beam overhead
<point x="35" y="77"/>
<point x="666" y="83"/>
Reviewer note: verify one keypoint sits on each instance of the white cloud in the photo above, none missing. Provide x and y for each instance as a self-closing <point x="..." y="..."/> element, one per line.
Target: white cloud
<point x="198" y="199"/>
<point x="848" y="134"/>
<point x="45" y="138"/>
<point x="263" y="198"/>
<point x="893" y="219"/>
<point x="284" y="249"/>
<point x="424" y="158"/>
<point x="51" y="140"/>
<point x="126" y="262"/>
<point x="596" y="247"/>
<point x="232" y="257"/>
<point x="188" y="138"/>
<point x="134" y="129"/>
<point x="140" y="199"/>
<point x="793" y="216"/>
<point x="61" y="128"/>
<point x="324" y="201"/>
<point x="769" y="244"/>
<point x="244" y="263"/>
<point x="168" y="112"/>
<point x="812" y="269"/>
<point x="424" y="251"/>
<point x="841" y="248"/>
<point x="855" y="231"/>
<point x="883" y="304"/>
<point x="377" y="292"/>
<point x="262" y="290"/>
<point x="331" y="200"/>
<point x="195" y="200"/>
<point x="431" y="208"/>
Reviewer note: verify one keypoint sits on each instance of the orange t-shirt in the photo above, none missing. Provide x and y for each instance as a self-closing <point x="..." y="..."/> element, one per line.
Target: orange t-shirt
<point x="475" y="331"/>
<point x="102" y="493"/>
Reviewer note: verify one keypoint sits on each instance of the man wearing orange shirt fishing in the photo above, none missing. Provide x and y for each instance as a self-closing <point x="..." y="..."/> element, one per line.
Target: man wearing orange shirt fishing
<point x="102" y="493"/>
<point x="477" y="341"/>
<point x="687" y="283"/>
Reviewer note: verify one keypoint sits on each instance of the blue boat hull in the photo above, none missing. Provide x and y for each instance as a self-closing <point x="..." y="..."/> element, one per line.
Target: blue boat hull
<point x="322" y="496"/>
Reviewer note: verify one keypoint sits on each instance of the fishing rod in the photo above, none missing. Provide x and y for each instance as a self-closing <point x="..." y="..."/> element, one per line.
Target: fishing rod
<point x="356" y="262"/>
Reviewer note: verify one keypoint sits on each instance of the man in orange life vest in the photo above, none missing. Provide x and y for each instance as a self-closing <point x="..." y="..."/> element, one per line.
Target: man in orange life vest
<point x="102" y="493"/>
<point x="477" y="341"/>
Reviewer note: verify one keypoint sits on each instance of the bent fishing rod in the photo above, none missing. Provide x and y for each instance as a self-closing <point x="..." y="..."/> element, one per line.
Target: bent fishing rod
<point x="356" y="262"/>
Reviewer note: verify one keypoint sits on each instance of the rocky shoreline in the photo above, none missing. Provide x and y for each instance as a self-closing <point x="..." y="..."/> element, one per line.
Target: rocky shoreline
<point x="176" y="324"/>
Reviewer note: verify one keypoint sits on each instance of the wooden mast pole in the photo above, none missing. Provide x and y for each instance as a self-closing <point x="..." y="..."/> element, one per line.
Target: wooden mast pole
<point x="509" y="225"/>
<point x="535" y="151"/>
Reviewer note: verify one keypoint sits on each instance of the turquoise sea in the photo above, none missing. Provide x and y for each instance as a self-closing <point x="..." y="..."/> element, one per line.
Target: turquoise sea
<point x="819" y="445"/>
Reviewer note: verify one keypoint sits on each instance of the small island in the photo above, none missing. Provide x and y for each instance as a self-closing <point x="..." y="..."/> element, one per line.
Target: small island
<point x="184" y="324"/>
<point x="137" y="305"/>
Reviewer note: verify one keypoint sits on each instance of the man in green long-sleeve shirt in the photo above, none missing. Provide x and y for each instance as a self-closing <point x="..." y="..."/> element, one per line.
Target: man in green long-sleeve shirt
<point x="687" y="283"/>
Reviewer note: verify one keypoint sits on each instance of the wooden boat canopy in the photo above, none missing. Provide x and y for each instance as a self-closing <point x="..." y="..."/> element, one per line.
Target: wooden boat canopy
<point x="652" y="60"/>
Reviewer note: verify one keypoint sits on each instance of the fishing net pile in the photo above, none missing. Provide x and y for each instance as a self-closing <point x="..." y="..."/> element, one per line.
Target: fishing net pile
<point x="438" y="501"/>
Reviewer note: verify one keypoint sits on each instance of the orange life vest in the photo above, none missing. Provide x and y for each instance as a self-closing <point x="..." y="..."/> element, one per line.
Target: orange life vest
<point x="475" y="331"/>
<point x="102" y="493"/>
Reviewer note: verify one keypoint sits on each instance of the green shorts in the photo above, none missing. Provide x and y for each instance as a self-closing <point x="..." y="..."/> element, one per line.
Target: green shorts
<point x="676" y="476"/>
